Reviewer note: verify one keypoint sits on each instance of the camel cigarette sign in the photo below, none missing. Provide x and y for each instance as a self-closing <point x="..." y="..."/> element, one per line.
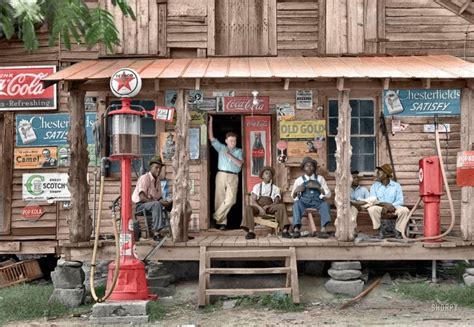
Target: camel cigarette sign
<point x="46" y="187"/>
<point x="21" y="88"/>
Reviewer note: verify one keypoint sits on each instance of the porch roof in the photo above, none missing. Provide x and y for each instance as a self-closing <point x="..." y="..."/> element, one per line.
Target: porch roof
<point x="404" y="67"/>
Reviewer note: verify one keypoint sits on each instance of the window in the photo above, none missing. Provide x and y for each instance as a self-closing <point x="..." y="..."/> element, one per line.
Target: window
<point x="147" y="138"/>
<point x="362" y="135"/>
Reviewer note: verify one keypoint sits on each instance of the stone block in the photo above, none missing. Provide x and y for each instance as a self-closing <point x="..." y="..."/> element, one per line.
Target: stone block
<point x="470" y="271"/>
<point x="120" y="309"/>
<point x="162" y="291"/>
<point x="161" y="281"/>
<point x="347" y="274"/>
<point x="67" y="277"/>
<point x="350" y="287"/>
<point x="69" y="297"/>
<point x="126" y="320"/>
<point x="468" y="279"/>
<point x="343" y="265"/>
<point x="64" y="263"/>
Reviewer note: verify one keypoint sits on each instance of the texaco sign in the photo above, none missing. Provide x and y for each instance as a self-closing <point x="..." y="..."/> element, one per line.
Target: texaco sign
<point x="125" y="82"/>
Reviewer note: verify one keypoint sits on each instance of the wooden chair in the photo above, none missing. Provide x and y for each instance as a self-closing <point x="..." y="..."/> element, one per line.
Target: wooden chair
<point x="267" y="220"/>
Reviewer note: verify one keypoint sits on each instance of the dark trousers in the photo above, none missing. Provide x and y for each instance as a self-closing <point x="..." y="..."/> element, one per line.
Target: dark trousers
<point x="156" y="218"/>
<point x="313" y="202"/>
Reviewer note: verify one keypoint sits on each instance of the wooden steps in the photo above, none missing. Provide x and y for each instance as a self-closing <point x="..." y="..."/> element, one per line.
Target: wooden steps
<point x="205" y="272"/>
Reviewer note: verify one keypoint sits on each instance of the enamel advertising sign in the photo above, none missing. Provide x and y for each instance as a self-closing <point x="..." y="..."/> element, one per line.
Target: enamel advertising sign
<point x="46" y="187"/>
<point x="422" y="102"/>
<point x="247" y="105"/>
<point x="308" y="129"/>
<point x="39" y="157"/>
<point x="21" y="88"/>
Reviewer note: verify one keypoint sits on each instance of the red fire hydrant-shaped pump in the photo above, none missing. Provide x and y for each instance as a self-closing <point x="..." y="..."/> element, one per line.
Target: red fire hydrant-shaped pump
<point x="131" y="283"/>
<point x="431" y="189"/>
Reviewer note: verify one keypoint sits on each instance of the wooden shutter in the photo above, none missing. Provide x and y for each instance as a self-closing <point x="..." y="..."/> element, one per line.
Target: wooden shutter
<point x="243" y="27"/>
<point x="6" y="169"/>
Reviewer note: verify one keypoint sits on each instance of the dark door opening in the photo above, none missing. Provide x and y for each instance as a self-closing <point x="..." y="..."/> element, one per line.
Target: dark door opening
<point x="222" y="125"/>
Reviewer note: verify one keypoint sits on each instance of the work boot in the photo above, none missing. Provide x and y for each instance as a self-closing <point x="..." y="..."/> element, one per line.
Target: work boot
<point x="250" y="236"/>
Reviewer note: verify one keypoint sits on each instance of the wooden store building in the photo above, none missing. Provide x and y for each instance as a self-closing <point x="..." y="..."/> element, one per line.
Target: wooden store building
<point x="298" y="78"/>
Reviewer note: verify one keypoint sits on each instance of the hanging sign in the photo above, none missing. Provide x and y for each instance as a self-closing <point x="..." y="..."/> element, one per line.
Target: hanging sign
<point x="48" y="129"/>
<point x="45" y="187"/>
<point x="247" y="105"/>
<point x="308" y="129"/>
<point x="422" y="102"/>
<point x="125" y="83"/>
<point x="164" y="113"/>
<point x="257" y="147"/>
<point x="31" y="158"/>
<point x="21" y="88"/>
<point x="304" y="99"/>
<point x="465" y="168"/>
<point x="32" y="212"/>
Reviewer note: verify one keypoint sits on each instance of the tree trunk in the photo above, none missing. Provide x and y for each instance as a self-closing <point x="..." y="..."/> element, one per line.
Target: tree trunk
<point x="79" y="222"/>
<point x="180" y="211"/>
<point x="345" y="225"/>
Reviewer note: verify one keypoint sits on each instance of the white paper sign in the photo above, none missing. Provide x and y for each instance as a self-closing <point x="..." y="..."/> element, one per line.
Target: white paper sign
<point x="304" y="99"/>
<point x="46" y="187"/>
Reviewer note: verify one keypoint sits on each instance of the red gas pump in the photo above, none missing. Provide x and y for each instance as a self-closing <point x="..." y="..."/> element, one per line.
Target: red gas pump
<point x="431" y="189"/>
<point x="131" y="283"/>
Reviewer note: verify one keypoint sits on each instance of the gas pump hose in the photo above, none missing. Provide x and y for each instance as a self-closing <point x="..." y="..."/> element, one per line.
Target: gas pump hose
<point x="448" y="193"/>
<point x="96" y="241"/>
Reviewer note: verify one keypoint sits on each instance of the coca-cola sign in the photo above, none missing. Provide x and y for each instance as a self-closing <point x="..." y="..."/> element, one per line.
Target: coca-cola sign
<point x="21" y="88"/>
<point x="258" y="105"/>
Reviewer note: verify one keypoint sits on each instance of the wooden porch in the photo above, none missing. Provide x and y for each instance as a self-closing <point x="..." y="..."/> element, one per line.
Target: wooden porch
<point x="307" y="248"/>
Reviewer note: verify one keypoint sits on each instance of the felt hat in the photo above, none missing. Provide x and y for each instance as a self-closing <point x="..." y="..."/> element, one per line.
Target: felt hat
<point x="157" y="160"/>
<point x="387" y="169"/>
<point x="272" y="170"/>
<point x="354" y="172"/>
<point x="309" y="159"/>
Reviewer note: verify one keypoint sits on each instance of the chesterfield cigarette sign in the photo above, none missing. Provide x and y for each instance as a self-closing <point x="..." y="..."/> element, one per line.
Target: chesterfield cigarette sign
<point x="21" y="88"/>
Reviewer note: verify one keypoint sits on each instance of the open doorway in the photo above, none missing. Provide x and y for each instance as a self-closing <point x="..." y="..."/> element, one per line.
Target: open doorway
<point x="222" y="125"/>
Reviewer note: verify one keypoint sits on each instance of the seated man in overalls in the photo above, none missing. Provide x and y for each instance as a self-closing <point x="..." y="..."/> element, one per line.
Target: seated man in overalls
<point x="265" y="198"/>
<point x="309" y="191"/>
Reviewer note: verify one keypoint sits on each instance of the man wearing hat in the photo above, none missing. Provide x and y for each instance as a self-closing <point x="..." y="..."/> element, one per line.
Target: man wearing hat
<point x="265" y="198"/>
<point x="148" y="195"/>
<point x="390" y="196"/>
<point x="310" y="191"/>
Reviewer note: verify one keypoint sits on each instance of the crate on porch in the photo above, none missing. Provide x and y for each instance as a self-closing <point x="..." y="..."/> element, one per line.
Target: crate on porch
<point x="19" y="272"/>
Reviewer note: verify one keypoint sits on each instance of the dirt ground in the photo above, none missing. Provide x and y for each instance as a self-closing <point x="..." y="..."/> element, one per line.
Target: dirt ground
<point x="380" y="307"/>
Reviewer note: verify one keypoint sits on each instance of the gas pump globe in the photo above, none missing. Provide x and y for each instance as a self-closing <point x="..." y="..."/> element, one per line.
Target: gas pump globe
<point x="126" y="126"/>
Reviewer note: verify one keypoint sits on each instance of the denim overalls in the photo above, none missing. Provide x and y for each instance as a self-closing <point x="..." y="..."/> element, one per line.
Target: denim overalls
<point x="309" y="198"/>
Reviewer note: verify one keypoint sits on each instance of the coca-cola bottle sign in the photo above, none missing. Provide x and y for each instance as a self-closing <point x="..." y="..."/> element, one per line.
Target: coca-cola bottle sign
<point x="246" y="104"/>
<point x="21" y="88"/>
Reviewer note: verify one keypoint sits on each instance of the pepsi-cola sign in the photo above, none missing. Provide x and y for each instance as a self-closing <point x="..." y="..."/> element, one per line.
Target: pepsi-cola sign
<point x="125" y="83"/>
<point x="21" y="88"/>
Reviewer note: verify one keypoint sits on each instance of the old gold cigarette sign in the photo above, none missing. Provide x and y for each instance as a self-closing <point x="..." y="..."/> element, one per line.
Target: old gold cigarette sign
<point x="308" y="129"/>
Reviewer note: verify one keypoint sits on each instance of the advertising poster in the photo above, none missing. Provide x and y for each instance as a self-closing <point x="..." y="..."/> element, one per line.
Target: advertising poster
<point x="308" y="129"/>
<point x="285" y="111"/>
<point x="257" y="147"/>
<point x="32" y="158"/>
<point x="219" y="95"/>
<point x="423" y="102"/>
<point x="167" y="145"/>
<point x="45" y="187"/>
<point x="304" y="99"/>
<point x="21" y="88"/>
<point x="194" y="134"/>
<point x="247" y="105"/>
<point x="300" y="149"/>
<point x="170" y="98"/>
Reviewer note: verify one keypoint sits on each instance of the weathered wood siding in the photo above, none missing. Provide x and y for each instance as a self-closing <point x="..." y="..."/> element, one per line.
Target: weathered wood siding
<point x="423" y="27"/>
<point x="298" y="27"/>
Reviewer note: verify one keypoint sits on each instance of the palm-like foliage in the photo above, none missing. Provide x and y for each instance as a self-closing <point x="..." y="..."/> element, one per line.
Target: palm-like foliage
<point x="66" y="20"/>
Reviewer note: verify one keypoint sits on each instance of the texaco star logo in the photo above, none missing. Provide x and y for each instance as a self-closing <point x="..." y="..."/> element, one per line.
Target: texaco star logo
<point x="125" y="83"/>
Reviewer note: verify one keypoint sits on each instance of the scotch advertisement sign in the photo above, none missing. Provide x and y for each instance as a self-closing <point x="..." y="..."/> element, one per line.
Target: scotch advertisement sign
<point x="21" y="88"/>
<point x="46" y="187"/>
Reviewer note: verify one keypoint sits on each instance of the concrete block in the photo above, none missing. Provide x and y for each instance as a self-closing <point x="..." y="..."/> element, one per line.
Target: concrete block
<point x="64" y="263"/>
<point x="470" y="271"/>
<point x="347" y="274"/>
<point x="67" y="277"/>
<point x="126" y="320"/>
<point x="343" y="265"/>
<point x="468" y="279"/>
<point x="120" y="309"/>
<point x="350" y="287"/>
<point x="69" y="297"/>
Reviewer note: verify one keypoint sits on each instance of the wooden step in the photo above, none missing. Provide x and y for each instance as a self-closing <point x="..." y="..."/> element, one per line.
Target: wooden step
<point x="247" y="271"/>
<point x="247" y="291"/>
<point x="252" y="254"/>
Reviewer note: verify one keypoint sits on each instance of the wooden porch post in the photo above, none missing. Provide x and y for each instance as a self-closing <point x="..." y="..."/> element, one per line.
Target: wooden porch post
<point x="179" y="221"/>
<point x="467" y="144"/>
<point x="79" y="222"/>
<point x="344" y="224"/>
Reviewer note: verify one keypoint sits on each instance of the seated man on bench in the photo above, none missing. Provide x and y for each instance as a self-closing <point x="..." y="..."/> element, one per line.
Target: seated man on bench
<point x="309" y="191"/>
<point x="265" y="198"/>
<point x="358" y="194"/>
<point x="148" y="196"/>
<point x="389" y="195"/>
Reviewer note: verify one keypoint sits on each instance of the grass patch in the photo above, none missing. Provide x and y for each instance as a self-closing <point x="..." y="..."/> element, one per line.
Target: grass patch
<point x="458" y="270"/>
<point x="30" y="301"/>
<point x="275" y="301"/>
<point x="452" y="294"/>
<point x="156" y="310"/>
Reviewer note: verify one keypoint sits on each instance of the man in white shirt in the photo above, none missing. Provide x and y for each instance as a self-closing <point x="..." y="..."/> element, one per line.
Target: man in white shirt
<point x="310" y="191"/>
<point x="265" y="198"/>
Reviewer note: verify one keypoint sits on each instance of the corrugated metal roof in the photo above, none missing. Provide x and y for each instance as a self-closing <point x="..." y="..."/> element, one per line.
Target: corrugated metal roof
<point x="442" y="66"/>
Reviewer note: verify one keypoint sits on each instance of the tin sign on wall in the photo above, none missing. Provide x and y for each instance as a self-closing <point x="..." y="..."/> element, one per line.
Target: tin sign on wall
<point x="308" y="129"/>
<point x="21" y="88"/>
<point x="39" y="157"/>
<point x="422" y="102"/>
<point x="46" y="187"/>
<point x="243" y="104"/>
